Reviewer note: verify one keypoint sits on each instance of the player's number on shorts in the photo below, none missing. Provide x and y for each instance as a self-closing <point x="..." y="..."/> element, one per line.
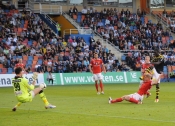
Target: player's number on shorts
<point x="17" y="86"/>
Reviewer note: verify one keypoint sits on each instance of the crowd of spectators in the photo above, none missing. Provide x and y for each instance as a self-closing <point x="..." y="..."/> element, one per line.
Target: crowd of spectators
<point x="131" y="33"/>
<point x="25" y="34"/>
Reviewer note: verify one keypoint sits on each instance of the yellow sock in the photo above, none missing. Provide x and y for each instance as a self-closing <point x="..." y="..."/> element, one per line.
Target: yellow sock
<point x="18" y="104"/>
<point x="43" y="97"/>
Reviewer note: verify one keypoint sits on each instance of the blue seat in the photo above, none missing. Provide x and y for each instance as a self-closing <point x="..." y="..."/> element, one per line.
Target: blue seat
<point x="29" y="62"/>
<point x="30" y="57"/>
<point x="123" y="58"/>
<point x="131" y="28"/>
<point x="19" y="57"/>
<point x="40" y="62"/>
<point x="29" y="43"/>
<point x="14" y="57"/>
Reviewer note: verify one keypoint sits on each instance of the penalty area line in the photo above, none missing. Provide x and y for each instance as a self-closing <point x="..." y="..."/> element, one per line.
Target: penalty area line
<point x="98" y="115"/>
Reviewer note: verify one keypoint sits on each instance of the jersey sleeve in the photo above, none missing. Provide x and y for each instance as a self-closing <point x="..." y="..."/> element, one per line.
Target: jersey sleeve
<point x="26" y="84"/>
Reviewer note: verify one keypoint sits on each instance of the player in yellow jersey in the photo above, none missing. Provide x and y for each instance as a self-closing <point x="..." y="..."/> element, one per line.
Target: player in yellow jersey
<point x="25" y="92"/>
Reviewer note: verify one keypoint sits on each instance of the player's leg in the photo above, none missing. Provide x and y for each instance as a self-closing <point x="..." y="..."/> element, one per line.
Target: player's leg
<point x="155" y="76"/>
<point x="17" y="105"/>
<point x="157" y="92"/>
<point x="43" y="97"/>
<point x="116" y="100"/>
<point x="96" y="83"/>
<point x="134" y="98"/>
<point x="100" y="77"/>
<point x="52" y="81"/>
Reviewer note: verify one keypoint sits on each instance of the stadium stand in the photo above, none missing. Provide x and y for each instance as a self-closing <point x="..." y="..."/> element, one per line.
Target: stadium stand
<point x="28" y="36"/>
<point x="135" y="35"/>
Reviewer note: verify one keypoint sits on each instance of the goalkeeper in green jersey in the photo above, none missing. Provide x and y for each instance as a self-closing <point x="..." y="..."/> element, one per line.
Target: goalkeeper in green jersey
<point x="25" y="92"/>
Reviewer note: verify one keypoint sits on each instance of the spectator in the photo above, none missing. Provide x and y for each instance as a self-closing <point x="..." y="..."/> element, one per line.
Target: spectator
<point x="50" y="78"/>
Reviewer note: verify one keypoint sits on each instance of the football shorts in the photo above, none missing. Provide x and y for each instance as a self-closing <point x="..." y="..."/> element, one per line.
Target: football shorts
<point x="27" y="98"/>
<point x="136" y="96"/>
<point x="97" y="76"/>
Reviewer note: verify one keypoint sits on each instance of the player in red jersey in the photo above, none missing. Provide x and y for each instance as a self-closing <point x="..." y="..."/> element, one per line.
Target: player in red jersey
<point x="146" y="68"/>
<point x="20" y="64"/>
<point x="95" y="67"/>
<point x="138" y="97"/>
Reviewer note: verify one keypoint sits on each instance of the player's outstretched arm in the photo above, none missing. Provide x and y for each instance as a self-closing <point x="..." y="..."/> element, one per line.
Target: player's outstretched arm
<point x="30" y="87"/>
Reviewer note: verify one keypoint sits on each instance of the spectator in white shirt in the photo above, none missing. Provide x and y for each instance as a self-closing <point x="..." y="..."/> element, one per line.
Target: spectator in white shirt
<point x="9" y="40"/>
<point x="110" y="60"/>
<point x="2" y="58"/>
<point x="107" y="21"/>
<point x="32" y="51"/>
<point x="84" y="10"/>
<point x="74" y="43"/>
<point x="86" y="47"/>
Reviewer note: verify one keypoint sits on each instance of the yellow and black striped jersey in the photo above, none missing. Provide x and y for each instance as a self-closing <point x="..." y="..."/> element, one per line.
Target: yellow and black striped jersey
<point x="158" y="62"/>
<point x="159" y="58"/>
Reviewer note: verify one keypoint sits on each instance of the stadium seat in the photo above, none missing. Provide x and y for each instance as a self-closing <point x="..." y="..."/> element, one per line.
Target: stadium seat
<point x="35" y="58"/>
<point x="19" y="57"/>
<point x="1" y="65"/>
<point x="123" y="58"/>
<point x="25" y="58"/>
<point x="30" y="57"/>
<point x="40" y="62"/>
<point x="29" y="62"/>
<point x="14" y="57"/>
<point x="34" y="62"/>
<point x="29" y="43"/>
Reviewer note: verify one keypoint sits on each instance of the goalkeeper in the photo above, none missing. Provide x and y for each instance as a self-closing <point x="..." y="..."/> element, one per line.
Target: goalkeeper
<point x="21" y="88"/>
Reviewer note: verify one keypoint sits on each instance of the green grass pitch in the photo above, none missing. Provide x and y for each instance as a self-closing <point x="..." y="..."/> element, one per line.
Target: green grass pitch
<point x="78" y="105"/>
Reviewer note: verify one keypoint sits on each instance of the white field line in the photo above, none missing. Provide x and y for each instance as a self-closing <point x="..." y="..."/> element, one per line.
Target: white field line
<point x="98" y="115"/>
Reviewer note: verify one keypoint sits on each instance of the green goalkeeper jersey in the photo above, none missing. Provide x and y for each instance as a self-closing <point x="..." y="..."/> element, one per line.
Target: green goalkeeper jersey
<point x="21" y="87"/>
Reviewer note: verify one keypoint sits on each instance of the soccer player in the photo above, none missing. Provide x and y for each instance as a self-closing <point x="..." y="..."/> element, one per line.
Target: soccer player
<point x="137" y="98"/>
<point x="158" y="61"/>
<point x="146" y="68"/>
<point x="20" y="64"/>
<point x="25" y="92"/>
<point x="95" y="68"/>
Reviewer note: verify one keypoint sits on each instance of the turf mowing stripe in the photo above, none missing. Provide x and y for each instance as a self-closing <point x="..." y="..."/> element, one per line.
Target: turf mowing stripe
<point x="61" y="77"/>
<point x="87" y="114"/>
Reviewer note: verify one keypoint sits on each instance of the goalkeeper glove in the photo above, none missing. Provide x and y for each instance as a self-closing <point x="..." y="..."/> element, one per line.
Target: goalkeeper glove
<point x="35" y="76"/>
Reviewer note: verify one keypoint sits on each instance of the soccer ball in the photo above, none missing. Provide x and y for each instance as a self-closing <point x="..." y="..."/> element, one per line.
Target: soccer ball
<point x="42" y="85"/>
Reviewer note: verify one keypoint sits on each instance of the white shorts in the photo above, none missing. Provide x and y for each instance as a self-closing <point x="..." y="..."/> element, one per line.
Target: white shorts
<point x="136" y="96"/>
<point x="97" y="76"/>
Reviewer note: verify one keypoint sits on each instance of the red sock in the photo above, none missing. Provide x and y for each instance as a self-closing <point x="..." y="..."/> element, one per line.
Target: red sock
<point x="117" y="100"/>
<point x="133" y="100"/>
<point x="101" y="86"/>
<point x="96" y="85"/>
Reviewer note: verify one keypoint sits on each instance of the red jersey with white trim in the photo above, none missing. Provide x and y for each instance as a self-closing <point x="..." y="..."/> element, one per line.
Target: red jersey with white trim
<point x="144" y="87"/>
<point x="96" y="65"/>
<point x="20" y="65"/>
